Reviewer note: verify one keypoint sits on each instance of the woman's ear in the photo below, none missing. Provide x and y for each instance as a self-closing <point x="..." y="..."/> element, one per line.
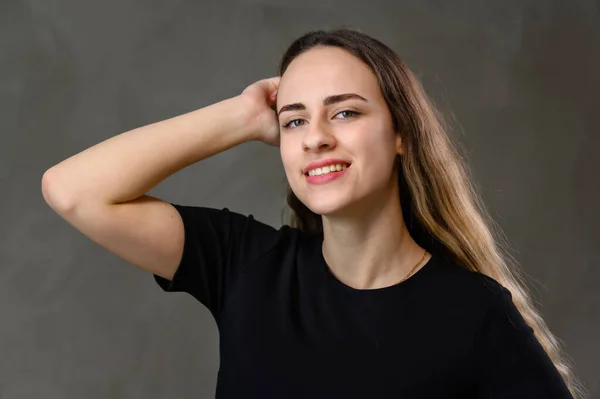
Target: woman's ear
<point x="399" y="144"/>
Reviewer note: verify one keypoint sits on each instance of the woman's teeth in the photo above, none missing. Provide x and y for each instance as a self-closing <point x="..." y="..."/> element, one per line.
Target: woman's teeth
<point x="326" y="169"/>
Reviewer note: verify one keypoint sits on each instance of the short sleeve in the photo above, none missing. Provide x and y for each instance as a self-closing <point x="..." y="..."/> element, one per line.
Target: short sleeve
<point x="511" y="362"/>
<point x="218" y="245"/>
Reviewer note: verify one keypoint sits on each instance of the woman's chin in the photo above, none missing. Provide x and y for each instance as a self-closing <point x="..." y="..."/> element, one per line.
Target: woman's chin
<point x="327" y="207"/>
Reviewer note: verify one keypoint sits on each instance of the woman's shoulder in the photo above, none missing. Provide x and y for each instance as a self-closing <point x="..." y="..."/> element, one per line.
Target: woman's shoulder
<point x="455" y="280"/>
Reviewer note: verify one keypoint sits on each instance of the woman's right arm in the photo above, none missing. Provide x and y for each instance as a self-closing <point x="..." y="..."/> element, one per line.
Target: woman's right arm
<point x="101" y="191"/>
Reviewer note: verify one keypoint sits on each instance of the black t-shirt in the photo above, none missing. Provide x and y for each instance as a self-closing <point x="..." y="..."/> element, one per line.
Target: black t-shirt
<point x="288" y="328"/>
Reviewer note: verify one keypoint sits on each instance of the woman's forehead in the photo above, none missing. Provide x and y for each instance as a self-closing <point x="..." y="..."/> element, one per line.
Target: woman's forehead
<point x="323" y="72"/>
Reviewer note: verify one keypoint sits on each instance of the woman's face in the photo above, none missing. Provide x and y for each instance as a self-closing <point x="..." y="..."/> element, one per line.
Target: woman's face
<point x="355" y="129"/>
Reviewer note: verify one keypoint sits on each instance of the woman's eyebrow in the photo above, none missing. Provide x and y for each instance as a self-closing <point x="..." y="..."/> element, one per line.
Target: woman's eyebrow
<point x="327" y="101"/>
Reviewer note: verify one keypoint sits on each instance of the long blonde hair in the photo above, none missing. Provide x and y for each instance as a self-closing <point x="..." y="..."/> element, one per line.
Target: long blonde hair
<point x="440" y="205"/>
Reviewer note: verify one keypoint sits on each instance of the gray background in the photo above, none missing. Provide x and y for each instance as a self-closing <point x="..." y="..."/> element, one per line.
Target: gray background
<point x="520" y="78"/>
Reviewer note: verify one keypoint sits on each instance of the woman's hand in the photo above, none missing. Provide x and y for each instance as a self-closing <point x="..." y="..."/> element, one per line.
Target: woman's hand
<point x="261" y="96"/>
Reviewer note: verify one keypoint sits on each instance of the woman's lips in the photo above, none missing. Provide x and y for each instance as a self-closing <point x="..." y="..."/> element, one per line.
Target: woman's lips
<point x="326" y="178"/>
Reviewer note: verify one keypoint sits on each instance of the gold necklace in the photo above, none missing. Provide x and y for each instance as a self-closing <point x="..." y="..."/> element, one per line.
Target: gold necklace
<point x="413" y="268"/>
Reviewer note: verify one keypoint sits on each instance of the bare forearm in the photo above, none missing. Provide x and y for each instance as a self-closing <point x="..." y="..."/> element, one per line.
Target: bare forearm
<point x="128" y="165"/>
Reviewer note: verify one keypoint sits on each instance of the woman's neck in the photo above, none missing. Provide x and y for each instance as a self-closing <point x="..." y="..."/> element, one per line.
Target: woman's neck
<point x="373" y="248"/>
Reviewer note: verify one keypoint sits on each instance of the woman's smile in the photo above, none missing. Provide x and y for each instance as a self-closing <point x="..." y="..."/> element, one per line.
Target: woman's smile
<point x="326" y="174"/>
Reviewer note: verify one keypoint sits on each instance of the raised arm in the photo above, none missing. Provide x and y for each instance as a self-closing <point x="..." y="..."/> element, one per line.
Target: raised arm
<point x="101" y="190"/>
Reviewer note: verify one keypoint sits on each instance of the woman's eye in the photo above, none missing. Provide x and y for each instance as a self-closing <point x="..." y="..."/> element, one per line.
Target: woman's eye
<point x="348" y="113"/>
<point x="287" y="125"/>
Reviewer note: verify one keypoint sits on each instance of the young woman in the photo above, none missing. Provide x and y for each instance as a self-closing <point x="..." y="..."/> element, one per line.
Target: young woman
<point x="389" y="282"/>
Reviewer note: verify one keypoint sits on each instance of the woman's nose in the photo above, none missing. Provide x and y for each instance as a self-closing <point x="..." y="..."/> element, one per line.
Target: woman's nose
<point x="318" y="137"/>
